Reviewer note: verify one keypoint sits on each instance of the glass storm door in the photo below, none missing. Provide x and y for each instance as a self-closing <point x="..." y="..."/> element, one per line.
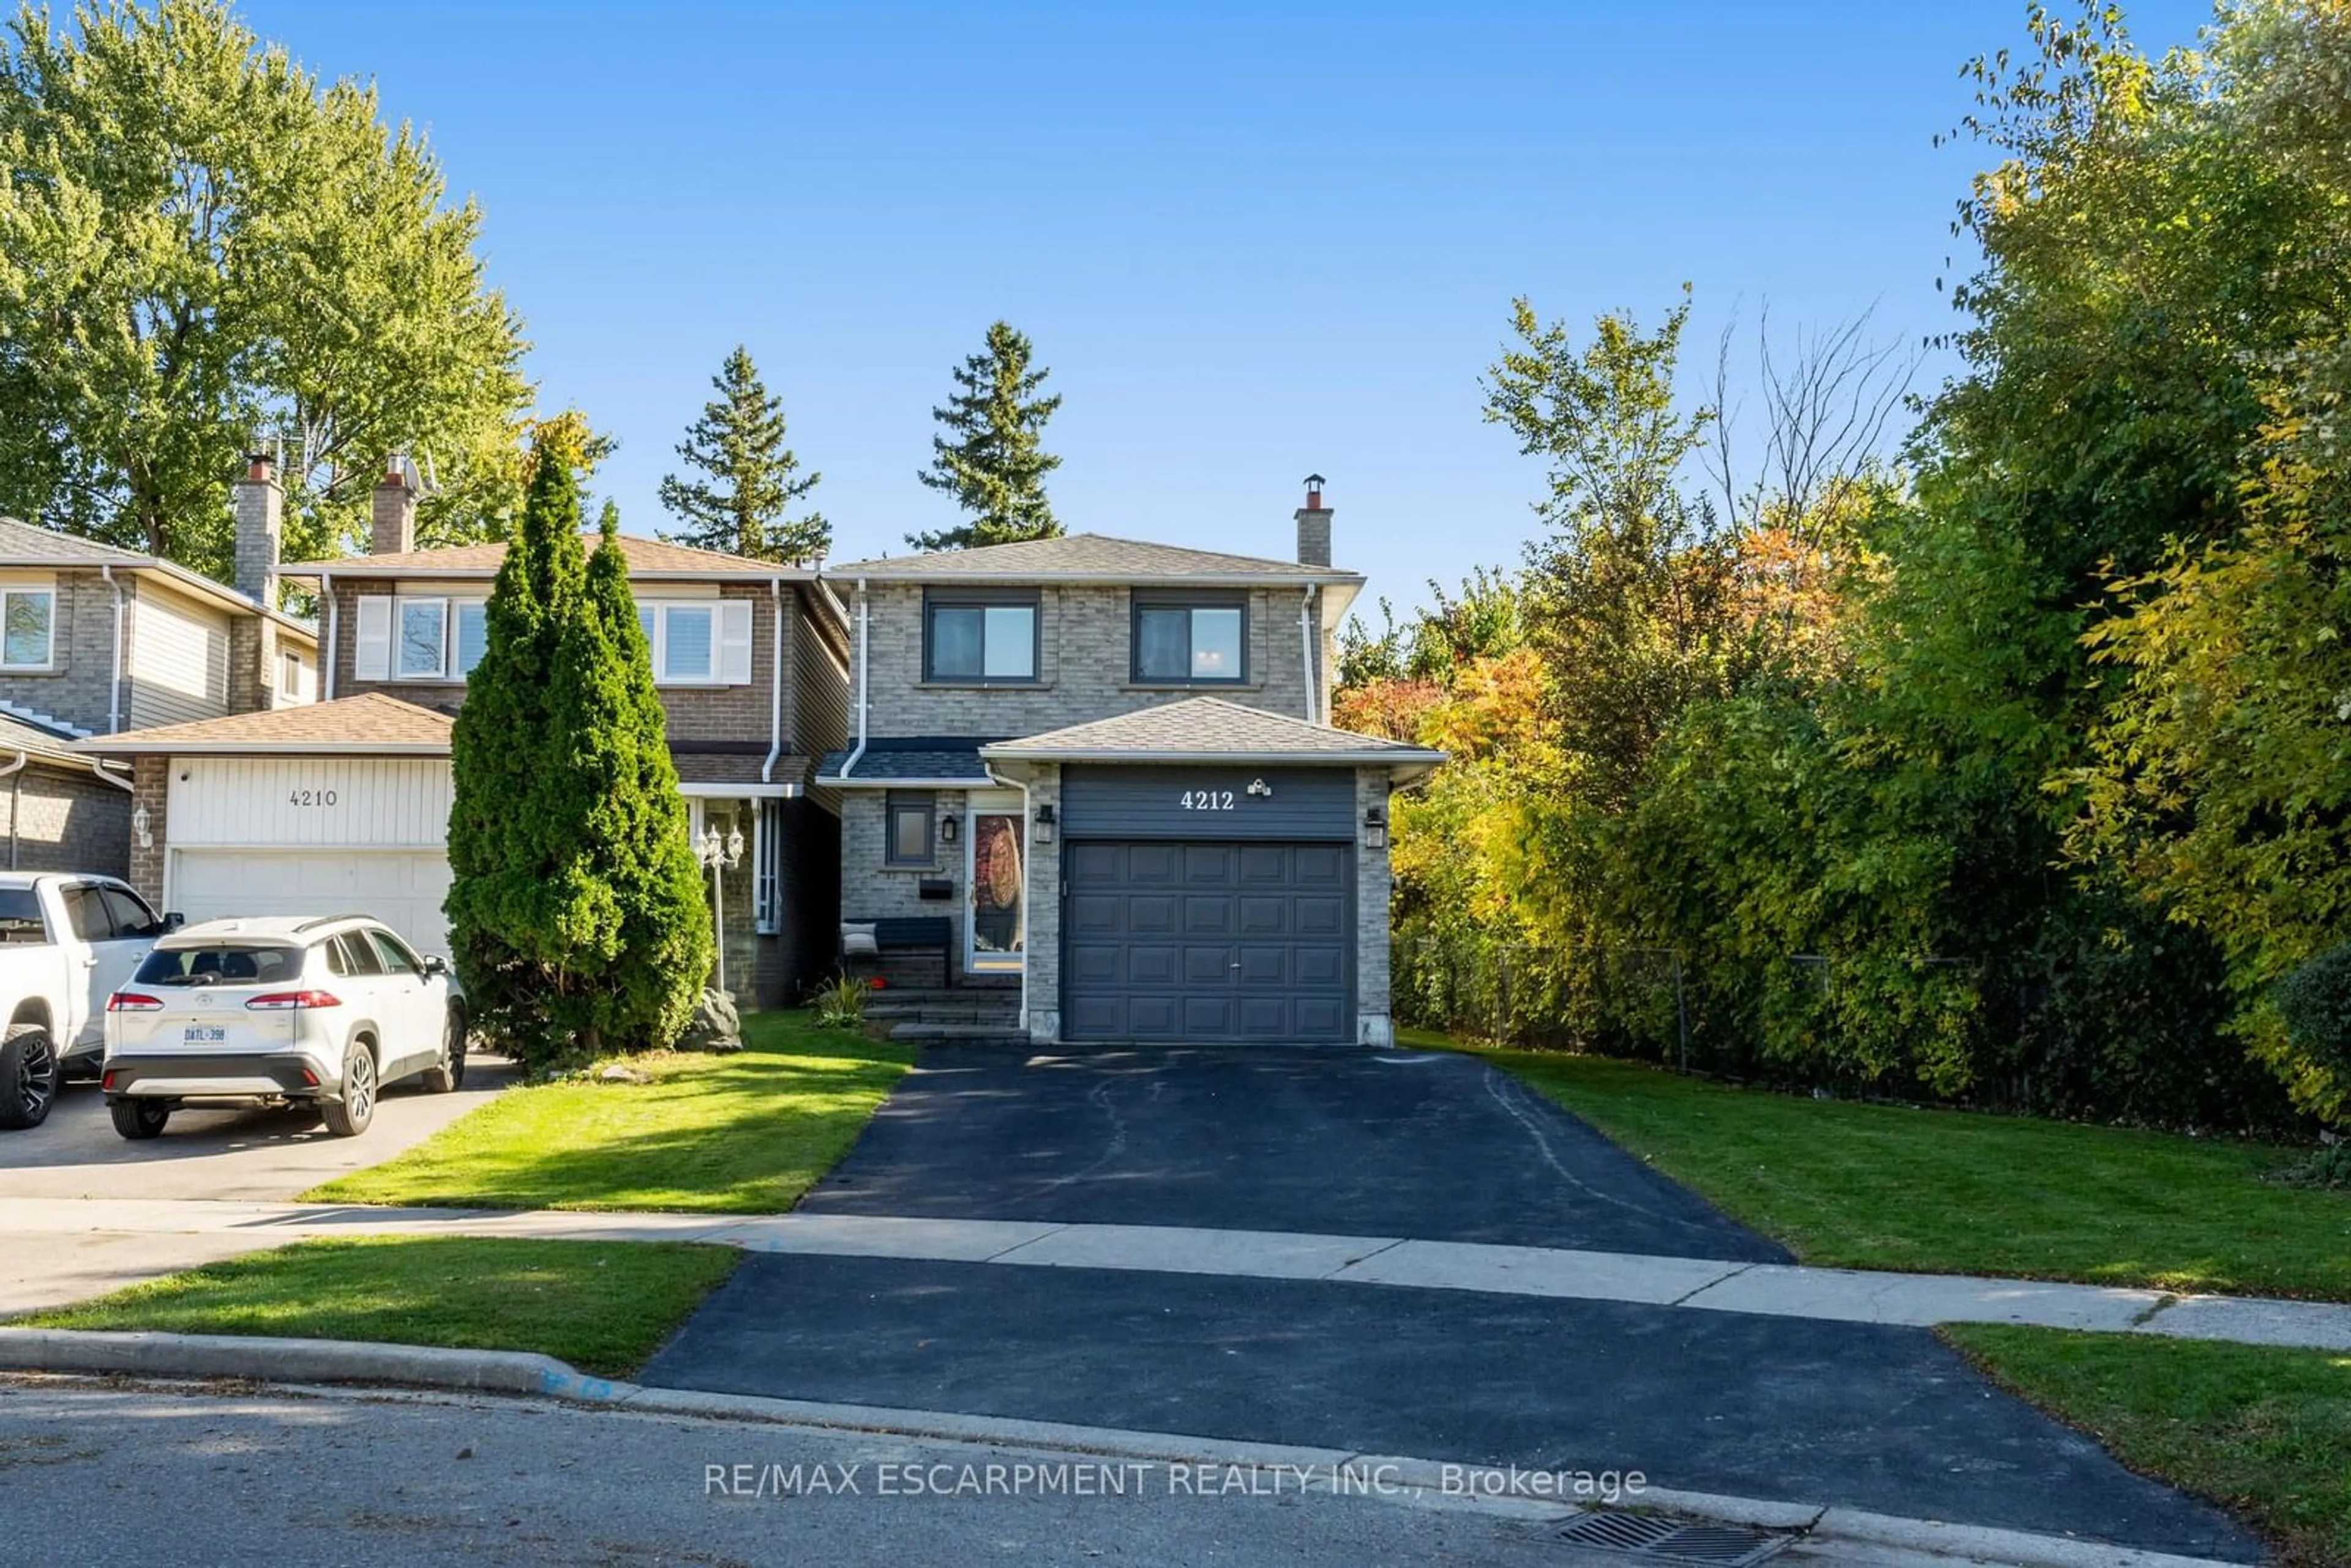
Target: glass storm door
<point x="997" y="917"/>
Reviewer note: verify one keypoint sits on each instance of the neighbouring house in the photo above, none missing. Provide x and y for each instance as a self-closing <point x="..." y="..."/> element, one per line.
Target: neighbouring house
<point x="345" y="806"/>
<point x="1108" y="765"/>
<point x="96" y="641"/>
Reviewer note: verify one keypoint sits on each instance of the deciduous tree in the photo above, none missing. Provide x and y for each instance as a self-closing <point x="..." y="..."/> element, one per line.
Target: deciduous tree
<point x="199" y="241"/>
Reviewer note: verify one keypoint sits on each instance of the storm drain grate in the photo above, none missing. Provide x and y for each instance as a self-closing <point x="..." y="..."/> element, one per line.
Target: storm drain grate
<point x="1671" y="1541"/>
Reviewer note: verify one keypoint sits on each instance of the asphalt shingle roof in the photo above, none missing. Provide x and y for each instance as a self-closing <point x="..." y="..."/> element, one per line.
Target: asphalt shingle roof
<point x="370" y="721"/>
<point x="1093" y="557"/>
<point x="17" y="736"/>
<point x="646" y="558"/>
<point x="898" y="761"/>
<point x="1205" y="728"/>
<point x="25" y="542"/>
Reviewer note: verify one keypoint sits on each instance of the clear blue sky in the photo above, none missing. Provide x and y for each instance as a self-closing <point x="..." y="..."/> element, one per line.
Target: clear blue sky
<point x="1251" y="241"/>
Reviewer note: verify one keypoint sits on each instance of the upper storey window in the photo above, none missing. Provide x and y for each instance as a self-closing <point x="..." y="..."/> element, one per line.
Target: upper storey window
<point x="1190" y="640"/>
<point x="979" y="638"/>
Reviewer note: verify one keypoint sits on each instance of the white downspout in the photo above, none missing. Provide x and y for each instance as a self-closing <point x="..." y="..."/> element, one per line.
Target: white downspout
<point x="1306" y="652"/>
<point x="776" y="699"/>
<point x="863" y="616"/>
<point x="114" y="686"/>
<point x="98" y="766"/>
<point x="327" y="592"/>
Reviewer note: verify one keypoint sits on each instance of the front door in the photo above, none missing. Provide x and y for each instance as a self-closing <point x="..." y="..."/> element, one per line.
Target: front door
<point x="995" y="875"/>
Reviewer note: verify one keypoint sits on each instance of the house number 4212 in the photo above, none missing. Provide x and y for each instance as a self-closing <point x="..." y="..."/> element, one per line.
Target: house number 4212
<point x="1206" y="800"/>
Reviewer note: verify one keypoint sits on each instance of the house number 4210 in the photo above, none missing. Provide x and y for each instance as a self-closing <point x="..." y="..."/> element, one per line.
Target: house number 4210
<point x="1206" y="800"/>
<point x="310" y="798"/>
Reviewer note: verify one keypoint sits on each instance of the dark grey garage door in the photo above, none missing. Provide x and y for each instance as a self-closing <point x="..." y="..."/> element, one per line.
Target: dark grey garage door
<point x="1208" y="942"/>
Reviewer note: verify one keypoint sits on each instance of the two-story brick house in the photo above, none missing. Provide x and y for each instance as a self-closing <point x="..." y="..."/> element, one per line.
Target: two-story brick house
<point x="346" y="806"/>
<point x="1109" y="765"/>
<point x="96" y="641"/>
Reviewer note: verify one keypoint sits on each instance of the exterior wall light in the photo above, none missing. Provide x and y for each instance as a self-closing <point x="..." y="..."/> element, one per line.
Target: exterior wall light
<point x="142" y="825"/>
<point x="1375" y="829"/>
<point x="1041" y="829"/>
<point x="948" y="829"/>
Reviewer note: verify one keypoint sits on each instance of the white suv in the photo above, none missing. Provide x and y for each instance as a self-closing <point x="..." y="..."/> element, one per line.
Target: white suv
<point x="321" y="1011"/>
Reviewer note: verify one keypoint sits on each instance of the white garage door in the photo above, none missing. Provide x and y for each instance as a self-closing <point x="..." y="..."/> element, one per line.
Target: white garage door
<point x="401" y="888"/>
<point x="314" y="835"/>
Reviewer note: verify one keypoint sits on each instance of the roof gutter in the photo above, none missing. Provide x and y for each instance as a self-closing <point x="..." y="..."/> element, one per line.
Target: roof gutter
<point x="776" y="672"/>
<point x="98" y="766"/>
<point x="1121" y="579"/>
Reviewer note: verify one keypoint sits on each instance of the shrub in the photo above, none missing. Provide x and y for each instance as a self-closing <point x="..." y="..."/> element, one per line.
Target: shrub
<point x="2314" y="1003"/>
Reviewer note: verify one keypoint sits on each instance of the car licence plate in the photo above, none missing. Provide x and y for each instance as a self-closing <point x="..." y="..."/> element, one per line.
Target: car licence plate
<point x="204" y="1034"/>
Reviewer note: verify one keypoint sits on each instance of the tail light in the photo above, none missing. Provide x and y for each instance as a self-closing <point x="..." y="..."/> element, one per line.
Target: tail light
<point x="280" y="1001"/>
<point x="133" y="1002"/>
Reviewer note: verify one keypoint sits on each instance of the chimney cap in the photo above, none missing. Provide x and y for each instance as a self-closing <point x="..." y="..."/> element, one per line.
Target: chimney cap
<point x="1314" y="481"/>
<point x="260" y="465"/>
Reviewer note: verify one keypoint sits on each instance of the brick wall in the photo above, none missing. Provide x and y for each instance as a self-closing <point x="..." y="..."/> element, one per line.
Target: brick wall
<point x="1373" y="881"/>
<point x="79" y="690"/>
<point x="870" y="890"/>
<point x="62" y="819"/>
<point x="738" y="714"/>
<point x="1044" y="978"/>
<point x="1085" y="662"/>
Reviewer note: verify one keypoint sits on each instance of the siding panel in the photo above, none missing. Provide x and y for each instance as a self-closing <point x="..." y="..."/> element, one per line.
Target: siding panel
<point x="178" y="662"/>
<point x="361" y="802"/>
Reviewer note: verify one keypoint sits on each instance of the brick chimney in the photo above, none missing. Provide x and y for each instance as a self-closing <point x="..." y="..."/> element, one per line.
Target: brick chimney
<point x="260" y="520"/>
<point x="395" y="511"/>
<point x="1315" y="526"/>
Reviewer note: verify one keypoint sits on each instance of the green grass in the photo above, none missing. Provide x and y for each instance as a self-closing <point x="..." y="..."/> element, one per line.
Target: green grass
<point x="1880" y="1186"/>
<point x="2263" y="1430"/>
<point x="604" y="1308"/>
<point x="742" y="1134"/>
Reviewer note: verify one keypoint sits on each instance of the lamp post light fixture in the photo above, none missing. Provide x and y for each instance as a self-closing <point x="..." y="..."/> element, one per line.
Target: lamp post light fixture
<point x="721" y="855"/>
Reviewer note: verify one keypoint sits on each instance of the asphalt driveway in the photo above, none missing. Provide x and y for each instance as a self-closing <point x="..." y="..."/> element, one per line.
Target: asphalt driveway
<point x="1428" y="1144"/>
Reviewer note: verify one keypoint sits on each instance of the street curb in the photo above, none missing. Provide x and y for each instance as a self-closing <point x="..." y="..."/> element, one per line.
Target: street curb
<point x="529" y="1374"/>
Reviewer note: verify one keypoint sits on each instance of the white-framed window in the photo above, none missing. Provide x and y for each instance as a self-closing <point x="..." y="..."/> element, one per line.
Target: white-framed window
<point x="420" y="638"/>
<point x="289" y="676"/>
<point x="28" y="623"/>
<point x="699" y="641"/>
<point x="767" y="901"/>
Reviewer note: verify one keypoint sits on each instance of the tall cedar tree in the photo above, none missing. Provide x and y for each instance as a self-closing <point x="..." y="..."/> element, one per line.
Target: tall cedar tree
<point x="754" y="477"/>
<point x="995" y="466"/>
<point x="562" y="909"/>
<point x="665" y="935"/>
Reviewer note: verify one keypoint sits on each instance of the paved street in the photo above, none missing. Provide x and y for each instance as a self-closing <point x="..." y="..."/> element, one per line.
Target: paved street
<point x="159" y="1479"/>
<point x="230" y="1153"/>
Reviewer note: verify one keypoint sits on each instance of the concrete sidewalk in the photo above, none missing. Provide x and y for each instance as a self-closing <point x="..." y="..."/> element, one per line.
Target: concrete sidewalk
<point x="30" y="1233"/>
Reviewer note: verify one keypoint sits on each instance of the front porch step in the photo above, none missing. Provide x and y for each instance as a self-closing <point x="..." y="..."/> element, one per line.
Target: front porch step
<point x="918" y="1033"/>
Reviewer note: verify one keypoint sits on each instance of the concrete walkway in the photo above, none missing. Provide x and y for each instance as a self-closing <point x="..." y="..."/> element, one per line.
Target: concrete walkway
<point x="1772" y="1290"/>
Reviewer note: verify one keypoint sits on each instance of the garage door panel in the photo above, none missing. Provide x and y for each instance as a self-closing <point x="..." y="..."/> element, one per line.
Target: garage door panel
<point x="1263" y="966"/>
<point x="1263" y="915"/>
<point x="1250" y="942"/>
<point x="1151" y="914"/>
<point x="403" y="890"/>
<point x="1153" y="966"/>
<point x="1320" y="916"/>
<point x="1319" y="965"/>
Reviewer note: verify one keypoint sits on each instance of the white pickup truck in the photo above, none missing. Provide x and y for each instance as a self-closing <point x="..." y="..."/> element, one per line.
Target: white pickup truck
<point x="67" y="942"/>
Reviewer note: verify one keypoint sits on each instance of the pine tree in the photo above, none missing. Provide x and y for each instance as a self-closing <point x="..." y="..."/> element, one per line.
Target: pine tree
<point x="995" y="466"/>
<point x="754" y="477"/>
<point x="564" y="828"/>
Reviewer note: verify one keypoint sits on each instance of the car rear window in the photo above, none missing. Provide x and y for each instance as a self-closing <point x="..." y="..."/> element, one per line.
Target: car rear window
<point x="20" y="916"/>
<point x="223" y="966"/>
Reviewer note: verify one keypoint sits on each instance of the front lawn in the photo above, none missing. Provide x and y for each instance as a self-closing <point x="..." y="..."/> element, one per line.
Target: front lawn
<point x="1880" y="1186"/>
<point x="604" y="1308"/>
<point x="744" y="1133"/>
<point x="2263" y="1430"/>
